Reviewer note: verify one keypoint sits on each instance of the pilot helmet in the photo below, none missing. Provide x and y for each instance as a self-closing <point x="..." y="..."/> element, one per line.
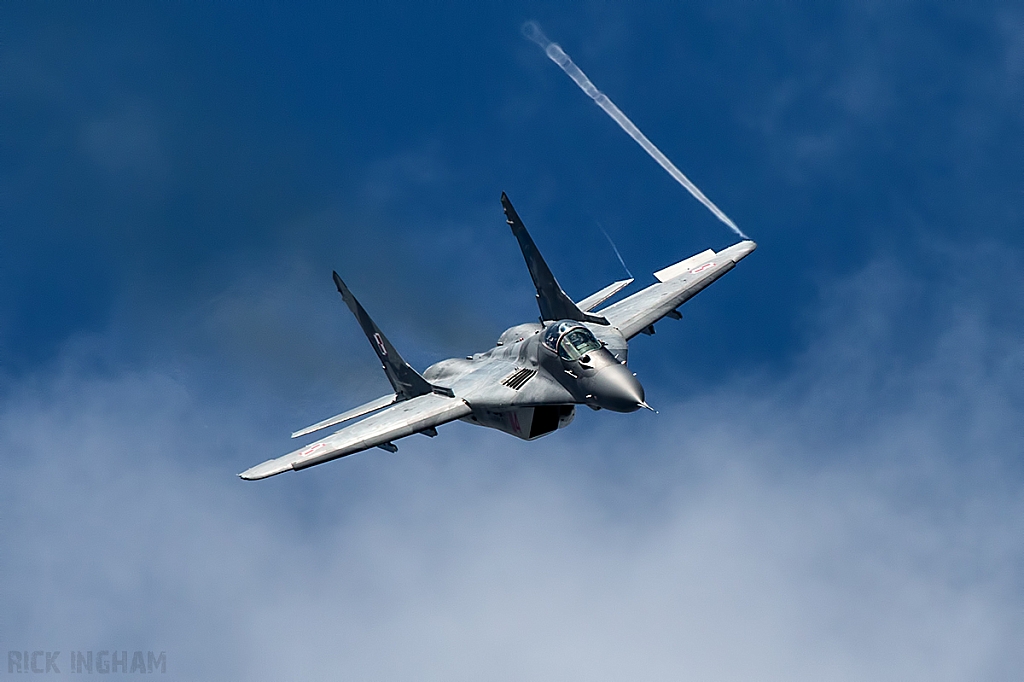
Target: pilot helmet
<point x="569" y="339"/>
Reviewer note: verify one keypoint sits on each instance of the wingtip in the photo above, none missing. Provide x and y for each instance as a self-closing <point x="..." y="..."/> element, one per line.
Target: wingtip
<point x="739" y="250"/>
<point x="747" y="247"/>
<point x="271" y="467"/>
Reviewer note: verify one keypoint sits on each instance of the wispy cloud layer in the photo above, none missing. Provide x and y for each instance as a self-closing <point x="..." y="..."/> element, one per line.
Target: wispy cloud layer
<point x="858" y="518"/>
<point x="833" y="488"/>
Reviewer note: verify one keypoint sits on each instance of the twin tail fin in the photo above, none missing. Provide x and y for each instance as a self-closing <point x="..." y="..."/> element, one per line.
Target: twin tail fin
<point x="407" y="382"/>
<point x="553" y="302"/>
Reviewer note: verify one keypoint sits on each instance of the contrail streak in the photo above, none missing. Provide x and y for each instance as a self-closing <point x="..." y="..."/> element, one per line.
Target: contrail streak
<point x="532" y="31"/>
<point x="616" y="250"/>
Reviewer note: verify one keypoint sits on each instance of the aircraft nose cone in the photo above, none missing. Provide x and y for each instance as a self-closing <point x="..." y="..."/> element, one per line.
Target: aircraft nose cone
<point x="616" y="389"/>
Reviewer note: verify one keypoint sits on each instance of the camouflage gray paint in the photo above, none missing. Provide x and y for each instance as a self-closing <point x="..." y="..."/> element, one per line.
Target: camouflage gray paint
<point x="529" y="383"/>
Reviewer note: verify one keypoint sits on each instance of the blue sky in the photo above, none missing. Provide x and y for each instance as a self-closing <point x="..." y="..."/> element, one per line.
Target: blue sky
<point x="832" y="488"/>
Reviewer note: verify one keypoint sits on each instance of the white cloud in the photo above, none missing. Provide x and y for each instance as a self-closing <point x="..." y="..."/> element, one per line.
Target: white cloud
<point x="860" y="518"/>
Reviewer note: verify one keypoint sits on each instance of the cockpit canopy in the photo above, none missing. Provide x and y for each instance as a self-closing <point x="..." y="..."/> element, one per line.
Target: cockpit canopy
<point x="569" y="339"/>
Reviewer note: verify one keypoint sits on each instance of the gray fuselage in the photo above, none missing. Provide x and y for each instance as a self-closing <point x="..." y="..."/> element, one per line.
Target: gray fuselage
<point x="519" y="385"/>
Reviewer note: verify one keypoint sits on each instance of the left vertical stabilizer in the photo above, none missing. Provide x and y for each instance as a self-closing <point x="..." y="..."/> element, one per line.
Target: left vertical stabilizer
<point x="408" y="383"/>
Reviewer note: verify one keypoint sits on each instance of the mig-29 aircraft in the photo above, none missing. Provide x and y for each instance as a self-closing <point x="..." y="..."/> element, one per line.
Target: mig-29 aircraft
<point x="529" y="384"/>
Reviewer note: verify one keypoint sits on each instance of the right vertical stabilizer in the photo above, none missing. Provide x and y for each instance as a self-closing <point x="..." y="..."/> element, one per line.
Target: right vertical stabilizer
<point x="553" y="302"/>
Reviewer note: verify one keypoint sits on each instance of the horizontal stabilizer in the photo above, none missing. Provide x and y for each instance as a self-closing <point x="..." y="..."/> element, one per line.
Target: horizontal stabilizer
<point x="372" y="406"/>
<point x="596" y="299"/>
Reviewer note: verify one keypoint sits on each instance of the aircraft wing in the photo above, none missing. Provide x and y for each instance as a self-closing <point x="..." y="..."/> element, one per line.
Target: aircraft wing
<point x="422" y="413"/>
<point x="677" y="284"/>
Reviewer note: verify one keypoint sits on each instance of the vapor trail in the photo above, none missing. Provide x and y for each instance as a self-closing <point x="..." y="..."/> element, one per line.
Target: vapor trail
<point x="532" y="31"/>
<point x="616" y="250"/>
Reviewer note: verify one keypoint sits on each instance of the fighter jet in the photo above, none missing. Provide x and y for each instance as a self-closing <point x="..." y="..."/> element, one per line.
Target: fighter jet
<point x="530" y="383"/>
